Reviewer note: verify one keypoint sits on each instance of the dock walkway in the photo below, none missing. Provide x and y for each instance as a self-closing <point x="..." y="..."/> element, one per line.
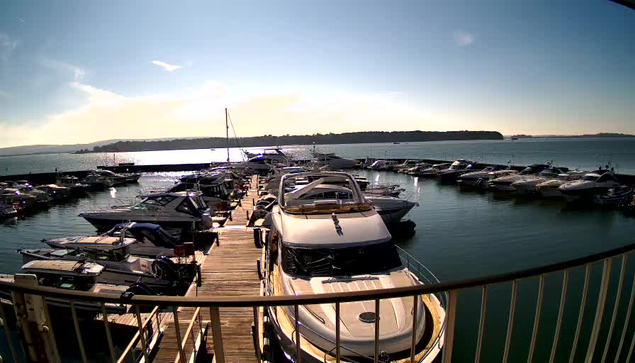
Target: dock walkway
<point x="228" y="270"/>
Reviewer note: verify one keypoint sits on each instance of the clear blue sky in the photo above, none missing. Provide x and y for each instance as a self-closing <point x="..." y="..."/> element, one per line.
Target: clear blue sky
<point x="81" y="71"/>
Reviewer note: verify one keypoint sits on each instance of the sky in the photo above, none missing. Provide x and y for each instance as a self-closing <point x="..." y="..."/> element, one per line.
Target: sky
<point x="84" y="71"/>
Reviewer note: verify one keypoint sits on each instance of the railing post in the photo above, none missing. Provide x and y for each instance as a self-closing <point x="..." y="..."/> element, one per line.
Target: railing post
<point x="534" y="335"/>
<point x="144" y="345"/>
<point x="626" y="322"/>
<point x="80" y="341"/>
<point x="177" y="330"/>
<point x="481" y="325"/>
<point x="510" y="322"/>
<point x="377" y="323"/>
<point x="337" y="332"/>
<point x="257" y="334"/>
<point x="298" y="342"/>
<point x="217" y="335"/>
<point x="599" y="311"/>
<point x="618" y="296"/>
<point x="585" y="292"/>
<point x="415" y="325"/>
<point x="449" y="329"/>
<point x="7" y="332"/>
<point x="111" y="347"/>
<point x="563" y="299"/>
<point x="33" y="323"/>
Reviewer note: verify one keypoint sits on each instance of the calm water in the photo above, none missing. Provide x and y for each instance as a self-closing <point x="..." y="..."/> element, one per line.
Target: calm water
<point x="460" y="234"/>
<point x="585" y="154"/>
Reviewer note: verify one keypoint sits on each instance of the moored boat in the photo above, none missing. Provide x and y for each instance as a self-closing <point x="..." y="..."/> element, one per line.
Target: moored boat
<point x="333" y="245"/>
<point x="179" y="210"/>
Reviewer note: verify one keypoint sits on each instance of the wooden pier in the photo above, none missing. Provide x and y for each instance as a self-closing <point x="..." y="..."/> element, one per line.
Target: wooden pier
<point x="228" y="270"/>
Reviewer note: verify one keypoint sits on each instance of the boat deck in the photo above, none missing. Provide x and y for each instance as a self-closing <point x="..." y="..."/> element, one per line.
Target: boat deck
<point x="228" y="270"/>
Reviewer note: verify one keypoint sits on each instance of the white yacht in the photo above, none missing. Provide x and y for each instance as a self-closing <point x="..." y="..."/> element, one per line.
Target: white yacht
<point x="528" y="185"/>
<point x="504" y="183"/>
<point x="482" y="176"/>
<point x="69" y="275"/>
<point x="333" y="161"/>
<point x="178" y="210"/>
<point x="142" y="239"/>
<point x="391" y="209"/>
<point x="597" y="182"/>
<point x="96" y="181"/>
<point x="121" y="268"/>
<point x="7" y="211"/>
<point x="330" y="245"/>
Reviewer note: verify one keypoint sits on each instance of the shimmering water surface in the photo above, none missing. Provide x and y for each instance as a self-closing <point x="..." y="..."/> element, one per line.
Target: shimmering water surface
<point x="460" y="233"/>
<point x="583" y="153"/>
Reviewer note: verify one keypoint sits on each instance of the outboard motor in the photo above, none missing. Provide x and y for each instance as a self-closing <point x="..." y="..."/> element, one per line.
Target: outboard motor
<point x="139" y="288"/>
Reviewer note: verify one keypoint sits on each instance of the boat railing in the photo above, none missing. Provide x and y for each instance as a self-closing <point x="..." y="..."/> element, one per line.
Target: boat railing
<point x="596" y="339"/>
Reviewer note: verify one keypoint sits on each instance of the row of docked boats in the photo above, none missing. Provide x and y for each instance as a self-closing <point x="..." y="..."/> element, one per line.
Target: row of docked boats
<point x="132" y="258"/>
<point x="142" y="248"/>
<point x="548" y="180"/>
<point x="323" y="234"/>
<point x="18" y="197"/>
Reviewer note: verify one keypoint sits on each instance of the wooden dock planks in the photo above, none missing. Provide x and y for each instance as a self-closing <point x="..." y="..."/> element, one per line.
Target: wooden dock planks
<point x="228" y="270"/>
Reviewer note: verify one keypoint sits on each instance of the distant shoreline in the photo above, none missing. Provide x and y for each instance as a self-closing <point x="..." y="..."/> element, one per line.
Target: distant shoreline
<point x="318" y="139"/>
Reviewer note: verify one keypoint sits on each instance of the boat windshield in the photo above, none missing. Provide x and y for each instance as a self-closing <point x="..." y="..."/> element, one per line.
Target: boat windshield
<point x="590" y="177"/>
<point x="66" y="282"/>
<point x="349" y="261"/>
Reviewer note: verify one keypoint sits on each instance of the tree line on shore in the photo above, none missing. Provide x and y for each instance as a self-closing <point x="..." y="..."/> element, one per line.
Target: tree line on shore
<point x="320" y="139"/>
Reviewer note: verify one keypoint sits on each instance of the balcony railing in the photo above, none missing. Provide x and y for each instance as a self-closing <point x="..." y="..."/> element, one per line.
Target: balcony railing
<point x="150" y="326"/>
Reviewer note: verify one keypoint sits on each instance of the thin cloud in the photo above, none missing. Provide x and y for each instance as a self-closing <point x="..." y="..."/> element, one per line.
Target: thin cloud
<point x="60" y="66"/>
<point x="4" y="94"/>
<point x="22" y="20"/>
<point x="166" y="66"/>
<point x="463" y="39"/>
<point x="7" y="46"/>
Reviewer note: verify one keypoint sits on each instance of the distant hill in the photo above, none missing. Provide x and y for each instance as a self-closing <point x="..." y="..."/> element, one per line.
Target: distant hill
<point x="321" y="139"/>
<point x="49" y="149"/>
<point x="601" y="134"/>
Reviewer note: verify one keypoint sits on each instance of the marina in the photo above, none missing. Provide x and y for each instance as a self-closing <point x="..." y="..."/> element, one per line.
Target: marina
<point x="229" y="270"/>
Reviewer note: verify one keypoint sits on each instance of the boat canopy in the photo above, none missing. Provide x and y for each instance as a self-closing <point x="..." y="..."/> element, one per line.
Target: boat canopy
<point x="142" y="231"/>
<point x="63" y="267"/>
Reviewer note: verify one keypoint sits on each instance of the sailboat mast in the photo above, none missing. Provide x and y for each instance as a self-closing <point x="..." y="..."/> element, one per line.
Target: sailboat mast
<point x="227" y="133"/>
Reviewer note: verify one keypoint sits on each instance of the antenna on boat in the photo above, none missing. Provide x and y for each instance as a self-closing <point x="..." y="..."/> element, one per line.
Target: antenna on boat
<point x="227" y="133"/>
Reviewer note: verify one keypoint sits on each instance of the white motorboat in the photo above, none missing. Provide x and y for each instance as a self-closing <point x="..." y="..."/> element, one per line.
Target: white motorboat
<point x="417" y="168"/>
<point x="550" y="188"/>
<point x="69" y="275"/>
<point x="528" y="185"/>
<point x="332" y="245"/>
<point x="96" y="181"/>
<point x="178" y="210"/>
<point x="475" y="178"/>
<point x="7" y="211"/>
<point x="212" y="187"/>
<point x="596" y="182"/>
<point x="121" y="268"/>
<point x="333" y="161"/>
<point x="431" y="172"/>
<point x="406" y="165"/>
<point x="504" y="183"/>
<point x="384" y="165"/>
<point x="391" y="209"/>
<point x="456" y="169"/>
<point x="142" y="239"/>
<point x="55" y="192"/>
<point x="72" y="183"/>
<point x="263" y="162"/>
